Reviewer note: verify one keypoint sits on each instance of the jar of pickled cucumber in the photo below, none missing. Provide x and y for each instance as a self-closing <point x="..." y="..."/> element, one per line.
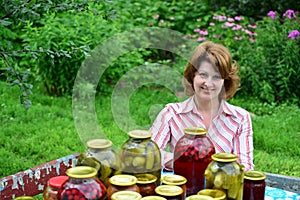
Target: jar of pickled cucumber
<point x="226" y="174"/>
<point x="126" y="195"/>
<point x="122" y="182"/>
<point x="52" y="187"/>
<point x="216" y="194"/>
<point x="146" y="183"/>
<point x="82" y="184"/>
<point x="192" y="154"/>
<point x="169" y="192"/>
<point x="199" y="197"/>
<point x="174" y="179"/>
<point x="25" y="198"/>
<point x="153" y="197"/>
<point x="140" y="155"/>
<point x="254" y="185"/>
<point x="100" y="155"/>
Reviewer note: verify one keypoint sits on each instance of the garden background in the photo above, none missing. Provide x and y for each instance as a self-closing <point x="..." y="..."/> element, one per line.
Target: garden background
<point x="43" y="45"/>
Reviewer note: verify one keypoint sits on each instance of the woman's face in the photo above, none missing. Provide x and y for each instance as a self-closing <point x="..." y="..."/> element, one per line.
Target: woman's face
<point x="208" y="82"/>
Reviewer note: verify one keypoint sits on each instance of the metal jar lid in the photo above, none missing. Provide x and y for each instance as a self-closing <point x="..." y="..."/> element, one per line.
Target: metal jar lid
<point x="25" y="198"/>
<point x="126" y="195"/>
<point x="173" y="179"/>
<point x="99" y="144"/>
<point x="123" y="180"/>
<point x="153" y="197"/>
<point x="195" y="131"/>
<point x="140" y="134"/>
<point x="224" y="157"/>
<point x="215" y="193"/>
<point x="57" y="181"/>
<point x="199" y="197"/>
<point x="168" y="190"/>
<point x="81" y="172"/>
<point x="145" y="178"/>
<point x="254" y="175"/>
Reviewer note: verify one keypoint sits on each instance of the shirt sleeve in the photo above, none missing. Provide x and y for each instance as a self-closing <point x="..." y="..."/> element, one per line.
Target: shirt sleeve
<point x="243" y="143"/>
<point x="161" y="134"/>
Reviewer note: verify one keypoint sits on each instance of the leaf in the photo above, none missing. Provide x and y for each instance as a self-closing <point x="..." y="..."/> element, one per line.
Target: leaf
<point x="5" y="23"/>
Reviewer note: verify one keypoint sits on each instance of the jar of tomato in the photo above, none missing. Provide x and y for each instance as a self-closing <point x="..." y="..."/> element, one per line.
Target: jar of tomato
<point x="192" y="155"/>
<point x="254" y="185"/>
<point x="216" y="194"/>
<point x="100" y="155"/>
<point x="126" y="195"/>
<point x="146" y="183"/>
<point x="140" y="155"/>
<point x="174" y="179"/>
<point x="169" y="192"/>
<point x="52" y="187"/>
<point x="224" y="173"/>
<point x="82" y="184"/>
<point x="122" y="182"/>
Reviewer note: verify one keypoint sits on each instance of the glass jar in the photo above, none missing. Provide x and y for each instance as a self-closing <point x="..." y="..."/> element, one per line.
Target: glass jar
<point x="52" y="187"/>
<point x="192" y="154"/>
<point x="199" y="197"/>
<point x="170" y="192"/>
<point x="82" y="183"/>
<point x="153" y="197"/>
<point x="174" y="179"/>
<point x="25" y="198"/>
<point x="100" y="155"/>
<point x="122" y="182"/>
<point x="126" y="195"/>
<point x="146" y="183"/>
<point x="140" y="155"/>
<point x="216" y="194"/>
<point x="254" y="185"/>
<point x="224" y="173"/>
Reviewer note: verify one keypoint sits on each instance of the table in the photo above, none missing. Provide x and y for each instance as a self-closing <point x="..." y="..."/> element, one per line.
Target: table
<point x="272" y="193"/>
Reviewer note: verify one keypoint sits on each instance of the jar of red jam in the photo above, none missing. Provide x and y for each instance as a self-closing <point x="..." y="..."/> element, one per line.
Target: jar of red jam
<point x="52" y="187"/>
<point x="169" y="192"/>
<point x="174" y="179"/>
<point x="126" y="195"/>
<point x="254" y="185"/>
<point x="122" y="182"/>
<point x="192" y="155"/>
<point x="100" y="155"/>
<point x="216" y="194"/>
<point x="82" y="184"/>
<point x="25" y="198"/>
<point x="139" y="155"/>
<point x="146" y="183"/>
<point x="226" y="174"/>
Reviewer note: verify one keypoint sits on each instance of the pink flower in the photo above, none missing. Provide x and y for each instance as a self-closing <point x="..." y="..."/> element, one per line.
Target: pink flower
<point x="238" y="18"/>
<point x="155" y="16"/>
<point x="230" y="19"/>
<point x="222" y="18"/>
<point x="212" y="24"/>
<point x="203" y="32"/>
<point x="252" y="26"/>
<point x="228" y="24"/>
<point x="294" y="34"/>
<point x="252" y="39"/>
<point x="236" y="27"/>
<point x="238" y="37"/>
<point x="290" y="14"/>
<point x="202" y="38"/>
<point x="197" y="30"/>
<point x="271" y="14"/>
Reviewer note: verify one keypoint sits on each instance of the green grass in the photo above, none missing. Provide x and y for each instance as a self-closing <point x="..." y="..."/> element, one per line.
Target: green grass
<point x="47" y="131"/>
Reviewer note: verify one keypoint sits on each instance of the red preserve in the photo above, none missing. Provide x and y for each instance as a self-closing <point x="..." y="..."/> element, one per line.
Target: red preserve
<point x="192" y="155"/>
<point x="254" y="185"/>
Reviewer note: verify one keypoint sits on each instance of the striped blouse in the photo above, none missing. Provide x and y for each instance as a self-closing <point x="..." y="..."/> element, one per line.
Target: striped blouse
<point x="230" y="131"/>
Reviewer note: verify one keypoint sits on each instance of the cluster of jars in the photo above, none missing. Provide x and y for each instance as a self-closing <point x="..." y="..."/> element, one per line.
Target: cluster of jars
<point x="135" y="172"/>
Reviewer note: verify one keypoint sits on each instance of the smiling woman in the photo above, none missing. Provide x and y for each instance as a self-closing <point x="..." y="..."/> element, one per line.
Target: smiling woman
<point x="210" y="79"/>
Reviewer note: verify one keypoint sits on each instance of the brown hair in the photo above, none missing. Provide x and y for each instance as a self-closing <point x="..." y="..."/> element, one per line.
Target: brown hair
<point x="221" y="58"/>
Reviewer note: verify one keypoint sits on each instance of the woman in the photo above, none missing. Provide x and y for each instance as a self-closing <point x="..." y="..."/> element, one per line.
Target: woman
<point x="210" y="78"/>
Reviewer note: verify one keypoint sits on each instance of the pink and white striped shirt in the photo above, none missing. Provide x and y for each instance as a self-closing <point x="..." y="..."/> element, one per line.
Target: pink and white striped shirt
<point x="230" y="131"/>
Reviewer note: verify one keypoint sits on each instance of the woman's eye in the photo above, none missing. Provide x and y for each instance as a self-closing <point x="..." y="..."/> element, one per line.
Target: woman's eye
<point x="203" y="75"/>
<point x="217" y="77"/>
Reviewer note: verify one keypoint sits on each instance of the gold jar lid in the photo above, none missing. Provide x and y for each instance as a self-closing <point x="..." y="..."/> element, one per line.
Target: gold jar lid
<point x="199" y="197"/>
<point x="254" y="175"/>
<point x="125" y="195"/>
<point x="168" y="190"/>
<point x="140" y="134"/>
<point x="81" y="172"/>
<point x="215" y="193"/>
<point x="153" y="197"/>
<point x="99" y="143"/>
<point x="123" y="180"/>
<point x="224" y="157"/>
<point x="145" y="178"/>
<point x="25" y="198"/>
<point x="195" y="131"/>
<point x="173" y="179"/>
